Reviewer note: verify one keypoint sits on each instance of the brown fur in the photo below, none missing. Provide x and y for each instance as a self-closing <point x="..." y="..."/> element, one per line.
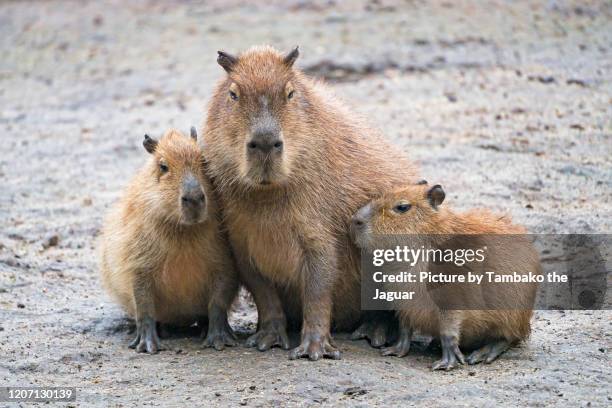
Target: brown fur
<point x="474" y="327"/>
<point x="288" y="218"/>
<point x="188" y="267"/>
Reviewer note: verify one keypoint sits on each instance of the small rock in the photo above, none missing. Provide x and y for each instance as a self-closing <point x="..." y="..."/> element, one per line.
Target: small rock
<point x="542" y="79"/>
<point x="451" y="97"/>
<point x="529" y="206"/>
<point x="579" y="82"/>
<point x="20" y="305"/>
<point x="87" y="202"/>
<point x="11" y="262"/>
<point x="603" y="350"/>
<point x="353" y="391"/>
<point x="51" y="241"/>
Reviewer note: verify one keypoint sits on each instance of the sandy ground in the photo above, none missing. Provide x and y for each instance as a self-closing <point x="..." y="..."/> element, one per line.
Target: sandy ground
<point x="508" y="104"/>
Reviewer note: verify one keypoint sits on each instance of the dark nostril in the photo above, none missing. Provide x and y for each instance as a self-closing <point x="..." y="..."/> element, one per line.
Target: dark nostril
<point x="358" y="222"/>
<point x="278" y="144"/>
<point x="252" y="145"/>
<point x="193" y="199"/>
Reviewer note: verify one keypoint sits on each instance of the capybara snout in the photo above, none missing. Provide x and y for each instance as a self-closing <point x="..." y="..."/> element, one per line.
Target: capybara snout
<point x="265" y="143"/>
<point x="266" y="136"/>
<point x="193" y="199"/>
<point x="360" y="224"/>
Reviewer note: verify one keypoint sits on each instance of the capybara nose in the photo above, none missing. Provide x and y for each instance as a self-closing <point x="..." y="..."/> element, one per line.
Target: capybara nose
<point x="193" y="198"/>
<point x="362" y="216"/>
<point x="265" y="143"/>
<point x="192" y="194"/>
<point x="358" y="222"/>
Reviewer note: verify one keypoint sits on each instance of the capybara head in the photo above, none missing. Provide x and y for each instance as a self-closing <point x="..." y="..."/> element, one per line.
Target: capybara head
<point x="409" y="210"/>
<point x="261" y="104"/>
<point x="179" y="189"/>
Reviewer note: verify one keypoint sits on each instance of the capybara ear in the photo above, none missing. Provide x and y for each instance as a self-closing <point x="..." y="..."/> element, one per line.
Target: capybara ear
<point x="227" y="61"/>
<point x="149" y="144"/>
<point x="436" y="195"/>
<point x="292" y="56"/>
<point x="421" y="182"/>
<point x="193" y="133"/>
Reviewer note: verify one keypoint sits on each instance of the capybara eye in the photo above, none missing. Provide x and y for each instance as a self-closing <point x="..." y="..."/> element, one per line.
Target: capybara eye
<point x="163" y="168"/>
<point x="401" y="208"/>
<point x="290" y="94"/>
<point x="233" y="95"/>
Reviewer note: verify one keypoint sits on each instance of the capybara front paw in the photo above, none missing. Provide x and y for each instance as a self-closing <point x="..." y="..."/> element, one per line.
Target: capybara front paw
<point x="269" y="335"/>
<point x="218" y="338"/>
<point x="401" y="346"/>
<point x="314" y="346"/>
<point x="376" y="327"/>
<point x="146" y="340"/>
<point x="488" y="353"/>
<point x="399" y="349"/>
<point x="451" y="355"/>
<point x="375" y="332"/>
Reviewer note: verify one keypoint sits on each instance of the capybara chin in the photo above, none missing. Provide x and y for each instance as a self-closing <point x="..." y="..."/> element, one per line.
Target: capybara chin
<point x="163" y="255"/>
<point x="487" y="318"/>
<point x="291" y="165"/>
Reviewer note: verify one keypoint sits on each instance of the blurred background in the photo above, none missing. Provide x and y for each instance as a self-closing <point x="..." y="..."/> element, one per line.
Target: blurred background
<point x="505" y="103"/>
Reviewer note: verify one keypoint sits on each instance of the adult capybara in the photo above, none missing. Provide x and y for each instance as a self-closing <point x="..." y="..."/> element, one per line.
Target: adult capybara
<point x="488" y="317"/>
<point x="291" y="165"/>
<point x="163" y="255"/>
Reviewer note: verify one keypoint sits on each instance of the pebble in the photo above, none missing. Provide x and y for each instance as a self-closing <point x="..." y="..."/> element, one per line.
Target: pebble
<point x="51" y="241"/>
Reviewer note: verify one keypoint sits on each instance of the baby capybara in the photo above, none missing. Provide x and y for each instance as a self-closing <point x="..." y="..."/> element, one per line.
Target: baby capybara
<point x="164" y="258"/>
<point x="487" y="318"/>
<point x="291" y="165"/>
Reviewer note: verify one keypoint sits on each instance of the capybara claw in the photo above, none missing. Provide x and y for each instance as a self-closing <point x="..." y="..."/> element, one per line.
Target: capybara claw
<point x="146" y="340"/>
<point x="269" y="335"/>
<point x="451" y="355"/>
<point x="488" y="353"/>
<point x="399" y="349"/>
<point x="401" y="346"/>
<point x="219" y="339"/>
<point x="376" y="329"/>
<point x="314" y="347"/>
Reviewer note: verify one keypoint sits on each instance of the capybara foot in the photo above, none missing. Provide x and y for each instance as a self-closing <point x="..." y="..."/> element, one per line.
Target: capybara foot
<point x="146" y="340"/>
<point x="314" y="346"/>
<point x="488" y="353"/>
<point x="401" y="347"/>
<point x="374" y="331"/>
<point x="219" y="337"/>
<point x="451" y="355"/>
<point x="376" y="327"/>
<point x="269" y="335"/>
